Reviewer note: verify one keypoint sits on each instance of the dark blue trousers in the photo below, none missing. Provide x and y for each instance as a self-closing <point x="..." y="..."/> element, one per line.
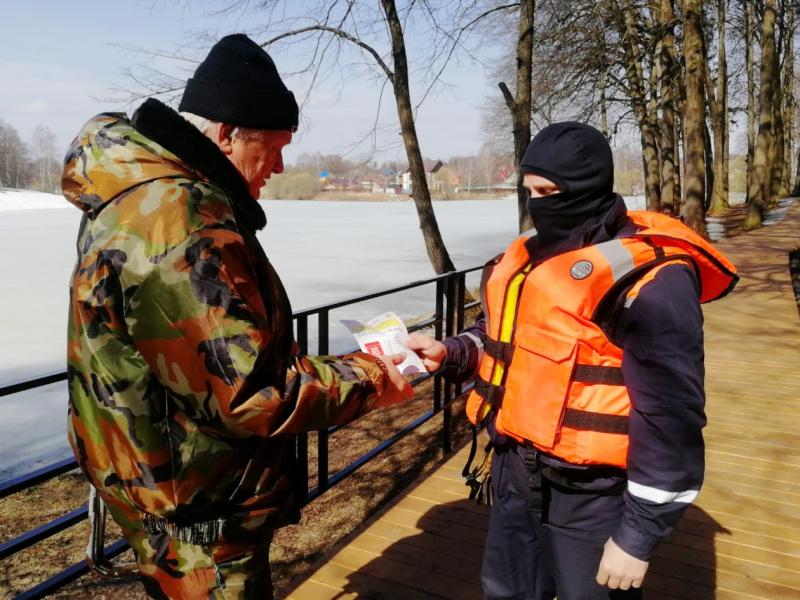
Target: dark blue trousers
<point x="545" y="540"/>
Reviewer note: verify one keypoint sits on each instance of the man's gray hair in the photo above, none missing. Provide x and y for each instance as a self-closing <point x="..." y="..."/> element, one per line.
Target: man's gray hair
<point x="204" y="124"/>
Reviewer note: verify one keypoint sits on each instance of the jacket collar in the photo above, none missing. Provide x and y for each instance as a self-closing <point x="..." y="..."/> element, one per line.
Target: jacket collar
<point x="163" y="125"/>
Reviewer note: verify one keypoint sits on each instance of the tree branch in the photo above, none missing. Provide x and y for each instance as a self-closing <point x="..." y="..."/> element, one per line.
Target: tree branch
<point x="339" y="33"/>
<point x="510" y="102"/>
<point x="456" y="40"/>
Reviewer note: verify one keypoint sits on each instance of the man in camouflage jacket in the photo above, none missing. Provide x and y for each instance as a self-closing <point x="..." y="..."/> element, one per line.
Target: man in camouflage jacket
<point x="185" y="386"/>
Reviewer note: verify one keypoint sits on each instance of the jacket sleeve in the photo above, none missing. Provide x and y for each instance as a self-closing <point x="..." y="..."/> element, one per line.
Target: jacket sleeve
<point x="464" y="352"/>
<point x="200" y="322"/>
<point x="662" y="339"/>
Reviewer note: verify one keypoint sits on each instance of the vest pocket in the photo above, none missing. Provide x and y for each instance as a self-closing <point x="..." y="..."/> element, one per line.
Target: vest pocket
<point x="537" y="385"/>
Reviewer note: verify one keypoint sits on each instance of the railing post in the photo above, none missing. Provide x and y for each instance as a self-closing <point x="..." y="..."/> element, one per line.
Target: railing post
<point x="450" y="329"/>
<point x="97" y="538"/>
<point x="322" y="434"/>
<point x="301" y="450"/>
<point x="438" y="330"/>
<point x="462" y="296"/>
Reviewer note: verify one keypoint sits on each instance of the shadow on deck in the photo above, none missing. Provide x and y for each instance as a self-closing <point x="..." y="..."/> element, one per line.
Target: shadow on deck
<point x="740" y="539"/>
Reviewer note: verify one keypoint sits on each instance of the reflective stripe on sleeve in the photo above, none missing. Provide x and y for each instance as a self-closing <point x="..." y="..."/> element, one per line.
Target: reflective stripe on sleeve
<point x="475" y="339"/>
<point x="660" y="496"/>
<point x="478" y="344"/>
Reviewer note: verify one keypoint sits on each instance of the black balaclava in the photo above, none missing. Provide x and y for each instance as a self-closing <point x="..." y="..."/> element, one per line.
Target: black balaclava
<point x="577" y="158"/>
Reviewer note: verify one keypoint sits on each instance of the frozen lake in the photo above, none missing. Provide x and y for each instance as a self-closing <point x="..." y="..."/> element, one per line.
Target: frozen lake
<point x="323" y="251"/>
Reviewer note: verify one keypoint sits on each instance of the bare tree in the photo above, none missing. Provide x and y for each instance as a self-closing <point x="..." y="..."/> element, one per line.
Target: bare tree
<point x="634" y="36"/>
<point x="749" y="45"/>
<point x="717" y="94"/>
<point x="14" y="158"/>
<point x="789" y="101"/>
<point x="694" y="120"/>
<point x="333" y="25"/>
<point x="775" y="159"/>
<point x="47" y="166"/>
<point x="520" y="105"/>
<point x="668" y="73"/>
<point x="758" y="190"/>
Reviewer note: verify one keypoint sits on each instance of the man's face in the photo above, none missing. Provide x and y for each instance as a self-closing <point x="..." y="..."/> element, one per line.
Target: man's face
<point x="539" y="186"/>
<point x="256" y="155"/>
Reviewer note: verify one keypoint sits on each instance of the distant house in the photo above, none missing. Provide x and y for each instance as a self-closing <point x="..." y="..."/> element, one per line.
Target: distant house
<point x="431" y="168"/>
<point x="391" y="181"/>
<point x="507" y="182"/>
<point x="445" y="180"/>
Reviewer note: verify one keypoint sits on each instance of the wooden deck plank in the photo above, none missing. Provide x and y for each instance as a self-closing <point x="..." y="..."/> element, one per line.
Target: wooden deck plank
<point x="739" y="541"/>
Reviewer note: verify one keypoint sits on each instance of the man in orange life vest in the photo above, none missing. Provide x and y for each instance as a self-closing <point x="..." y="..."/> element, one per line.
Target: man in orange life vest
<point x="588" y="367"/>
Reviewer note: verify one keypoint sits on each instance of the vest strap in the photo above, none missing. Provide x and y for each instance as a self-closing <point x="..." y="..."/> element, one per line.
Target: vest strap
<point x="498" y="350"/>
<point x="598" y="374"/>
<point x="591" y="421"/>
<point x="491" y="394"/>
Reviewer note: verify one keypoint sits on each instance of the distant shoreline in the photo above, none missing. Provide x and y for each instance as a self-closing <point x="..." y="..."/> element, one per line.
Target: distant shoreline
<point x="337" y="196"/>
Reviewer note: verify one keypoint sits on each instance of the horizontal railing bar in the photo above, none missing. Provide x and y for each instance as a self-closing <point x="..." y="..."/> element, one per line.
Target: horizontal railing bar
<point x="423" y="324"/>
<point x="44" y="531"/>
<point x="365" y="458"/>
<point x="18" y="484"/>
<point x="70" y="574"/>
<point x="370" y="296"/>
<point x="414" y="383"/>
<point x="30" y="384"/>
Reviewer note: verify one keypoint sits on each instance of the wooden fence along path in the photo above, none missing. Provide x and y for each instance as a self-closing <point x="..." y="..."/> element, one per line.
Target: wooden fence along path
<point x="740" y="540"/>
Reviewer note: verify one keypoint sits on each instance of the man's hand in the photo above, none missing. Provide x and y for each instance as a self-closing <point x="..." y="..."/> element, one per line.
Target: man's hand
<point x="397" y="388"/>
<point x="430" y="350"/>
<point x="620" y="570"/>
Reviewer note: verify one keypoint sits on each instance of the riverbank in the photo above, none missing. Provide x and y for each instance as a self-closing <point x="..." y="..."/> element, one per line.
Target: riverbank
<point x="348" y="196"/>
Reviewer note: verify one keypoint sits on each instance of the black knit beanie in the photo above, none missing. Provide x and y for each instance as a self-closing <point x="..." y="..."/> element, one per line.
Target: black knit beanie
<point x="238" y="84"/>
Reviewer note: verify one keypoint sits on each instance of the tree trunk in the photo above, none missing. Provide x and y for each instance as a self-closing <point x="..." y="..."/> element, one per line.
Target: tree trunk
<point x="603" y="102"/>
<point x="693" y="208"/>
<point x="718" y="105"/>
<point x="749" y="25"/>
<point x="437" y="252"/>
<point x="796" y="186"/>
<point x="759" y="181"/>
<point x="638" y="99"/>
<point x="709" y="159"/>
<point x="788" y="99"/>
<point x="520" y="107"/>
<point x="667" y="92"/>
<point x="776" y="158"/>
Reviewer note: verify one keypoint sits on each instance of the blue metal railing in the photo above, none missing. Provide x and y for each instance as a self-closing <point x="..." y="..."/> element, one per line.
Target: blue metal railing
<point x="448" y="318"/>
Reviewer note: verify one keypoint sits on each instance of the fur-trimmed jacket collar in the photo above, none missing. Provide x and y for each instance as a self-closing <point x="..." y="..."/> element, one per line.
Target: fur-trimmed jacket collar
<point x="166" y="127"/>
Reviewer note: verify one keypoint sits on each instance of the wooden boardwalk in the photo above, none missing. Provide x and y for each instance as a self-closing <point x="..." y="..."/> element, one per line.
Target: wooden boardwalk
<point x="741" y="539"/>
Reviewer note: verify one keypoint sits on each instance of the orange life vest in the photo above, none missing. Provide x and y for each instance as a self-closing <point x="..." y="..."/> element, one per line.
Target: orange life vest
<point x="548" y="369"/>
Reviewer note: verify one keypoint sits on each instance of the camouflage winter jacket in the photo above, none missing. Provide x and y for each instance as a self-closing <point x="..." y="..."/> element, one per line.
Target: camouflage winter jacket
<point x="183" y="390"/>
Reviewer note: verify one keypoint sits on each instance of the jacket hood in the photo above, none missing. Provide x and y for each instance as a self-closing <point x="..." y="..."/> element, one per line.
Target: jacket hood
<point x="108" y="157"/>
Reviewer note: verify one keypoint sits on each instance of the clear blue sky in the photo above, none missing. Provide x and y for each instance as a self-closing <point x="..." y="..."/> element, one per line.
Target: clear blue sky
<point x="57" y="58"/>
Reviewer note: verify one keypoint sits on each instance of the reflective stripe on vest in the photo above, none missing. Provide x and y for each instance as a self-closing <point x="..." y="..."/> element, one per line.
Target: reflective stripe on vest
<point x="555" y="379"/>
